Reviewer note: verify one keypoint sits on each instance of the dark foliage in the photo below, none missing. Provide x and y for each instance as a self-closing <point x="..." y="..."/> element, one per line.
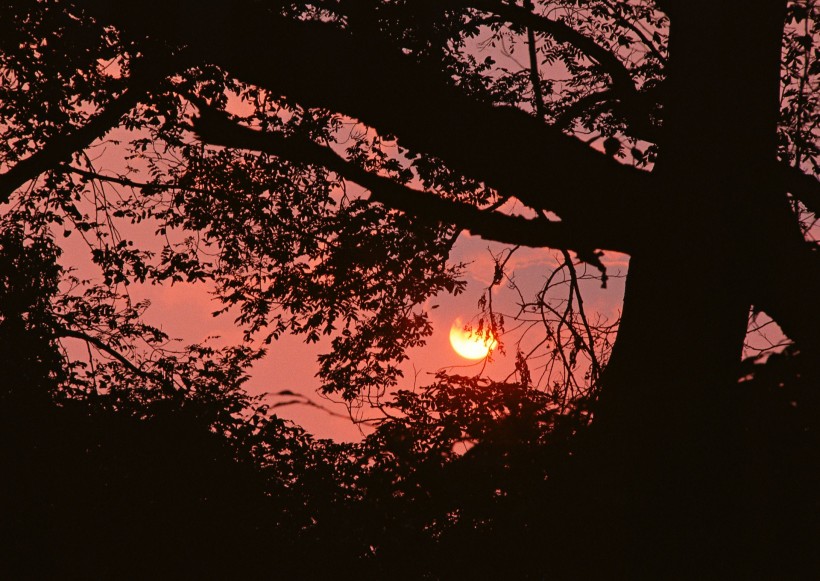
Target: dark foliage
<point x="458" y="483"/>
<point x="314" y="164"/>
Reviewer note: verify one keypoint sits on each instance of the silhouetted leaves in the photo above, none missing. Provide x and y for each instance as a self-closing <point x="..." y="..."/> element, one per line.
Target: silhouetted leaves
<point x="126" y="453"/>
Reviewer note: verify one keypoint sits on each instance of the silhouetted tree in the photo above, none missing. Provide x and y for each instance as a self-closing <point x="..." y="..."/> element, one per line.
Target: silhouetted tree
<point x="248" y="129"/>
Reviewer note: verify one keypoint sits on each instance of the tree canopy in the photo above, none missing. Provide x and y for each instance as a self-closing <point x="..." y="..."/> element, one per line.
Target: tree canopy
<point x="315" y="163"/>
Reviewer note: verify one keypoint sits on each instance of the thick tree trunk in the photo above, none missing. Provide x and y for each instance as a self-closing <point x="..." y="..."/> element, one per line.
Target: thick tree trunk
<point x="664" y="445"/>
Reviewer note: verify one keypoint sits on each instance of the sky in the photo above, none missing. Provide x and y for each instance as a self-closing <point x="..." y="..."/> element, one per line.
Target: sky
<point x="183" y="310"/>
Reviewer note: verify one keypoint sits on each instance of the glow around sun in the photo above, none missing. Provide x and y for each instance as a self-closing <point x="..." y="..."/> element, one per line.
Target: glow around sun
<point x="470" y="346"/>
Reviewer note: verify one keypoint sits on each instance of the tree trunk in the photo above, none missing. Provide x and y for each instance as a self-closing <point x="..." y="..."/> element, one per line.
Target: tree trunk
<point x="663" y="443"/>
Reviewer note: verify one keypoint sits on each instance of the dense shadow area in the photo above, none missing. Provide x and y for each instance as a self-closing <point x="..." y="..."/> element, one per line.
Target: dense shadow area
<point x="95" y="492"/>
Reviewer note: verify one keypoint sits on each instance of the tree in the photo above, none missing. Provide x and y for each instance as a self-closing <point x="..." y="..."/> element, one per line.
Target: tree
<point x="237" y="118"/>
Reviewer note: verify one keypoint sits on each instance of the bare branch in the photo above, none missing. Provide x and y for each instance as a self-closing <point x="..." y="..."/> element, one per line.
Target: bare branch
<point x="102" y="346"/>
<point x="302" y="399"/>
<point x="535" y="77"/>
<point x="119" y="180"/>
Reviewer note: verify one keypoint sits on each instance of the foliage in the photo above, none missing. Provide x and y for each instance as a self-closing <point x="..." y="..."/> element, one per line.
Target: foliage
<point x="314" y="164"/>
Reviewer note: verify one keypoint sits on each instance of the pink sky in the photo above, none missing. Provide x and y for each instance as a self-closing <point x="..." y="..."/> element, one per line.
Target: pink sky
<point x="184" y="311"/>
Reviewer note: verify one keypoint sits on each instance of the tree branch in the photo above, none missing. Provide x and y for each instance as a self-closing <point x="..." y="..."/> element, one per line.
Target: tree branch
<point x="581" y="106"/>
<point x="633" y="103"/>
<point x="321" y="66"/>
<point x="215" y="128"/>
<point x="102" y="346"/>
<point x="785" y="275"/>
<point x="622" y="80"/>
<point x="62" y="146"/>
<point x="802" y="186"/>
<point x="788" y="289"/>
<point x="638" y="32"/>
<point x="144" y="186"/>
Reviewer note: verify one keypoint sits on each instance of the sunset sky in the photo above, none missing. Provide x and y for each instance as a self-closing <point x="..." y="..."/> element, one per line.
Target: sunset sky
<point x="183" y="310"/>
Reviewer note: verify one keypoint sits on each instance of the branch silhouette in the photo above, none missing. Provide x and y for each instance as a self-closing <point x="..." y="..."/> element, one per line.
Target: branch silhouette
<point x="216" y="128"/>
<point x="61" y="147"/>
<point x="322" y="66"/>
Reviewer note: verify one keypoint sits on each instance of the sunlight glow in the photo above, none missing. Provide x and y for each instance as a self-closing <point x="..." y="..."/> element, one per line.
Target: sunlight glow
<point x="468" y="345"/>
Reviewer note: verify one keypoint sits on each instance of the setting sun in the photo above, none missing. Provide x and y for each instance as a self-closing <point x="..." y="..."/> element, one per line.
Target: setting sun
<point x="470" y="345"/>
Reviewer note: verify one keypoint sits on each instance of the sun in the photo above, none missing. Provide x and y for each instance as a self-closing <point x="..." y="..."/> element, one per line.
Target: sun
<point x="470" y="346"/>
